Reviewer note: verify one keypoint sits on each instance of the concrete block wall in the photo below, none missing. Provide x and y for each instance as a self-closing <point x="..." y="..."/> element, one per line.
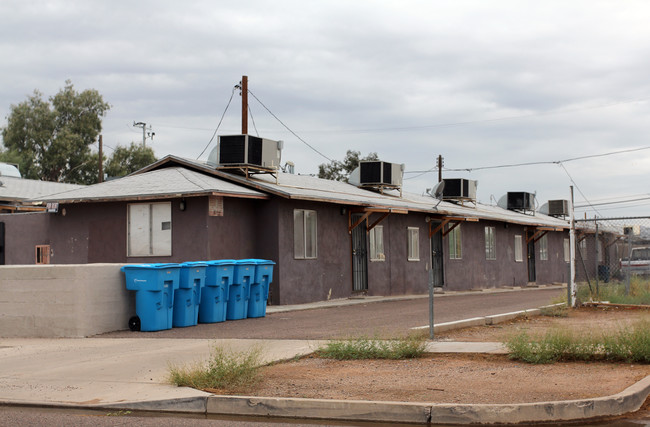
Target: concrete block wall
<point x="72" y="300"/>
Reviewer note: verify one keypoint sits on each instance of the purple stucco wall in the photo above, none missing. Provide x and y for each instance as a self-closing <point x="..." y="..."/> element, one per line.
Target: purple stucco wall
<point x="23" y="232"/>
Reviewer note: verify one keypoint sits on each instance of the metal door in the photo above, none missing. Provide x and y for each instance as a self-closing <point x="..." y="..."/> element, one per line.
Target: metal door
<point x="436" y="256"/>
<point x="531" y="257"/>
<point x="359" y="256"/>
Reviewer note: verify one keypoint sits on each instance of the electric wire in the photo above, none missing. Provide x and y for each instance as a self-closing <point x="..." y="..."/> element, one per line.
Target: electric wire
<point x="250" y="113"/>
<point x="220" y="121"/>
<point x="578" y="188"/>
<point x="289" y="129"/>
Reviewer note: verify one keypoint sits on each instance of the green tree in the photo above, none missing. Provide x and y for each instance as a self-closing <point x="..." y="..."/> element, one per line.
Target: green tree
<point x="50" y="140"/>
<point x="126" y="160"/>
<point x="340" y="171"/>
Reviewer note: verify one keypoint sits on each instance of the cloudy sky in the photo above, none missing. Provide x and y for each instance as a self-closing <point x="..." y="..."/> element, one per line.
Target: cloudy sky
<point x="484" y="84"/>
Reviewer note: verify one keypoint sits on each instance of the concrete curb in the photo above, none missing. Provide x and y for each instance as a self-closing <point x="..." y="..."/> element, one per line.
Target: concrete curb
<point x="627" y="401"/>
<point x="486" y="320"/>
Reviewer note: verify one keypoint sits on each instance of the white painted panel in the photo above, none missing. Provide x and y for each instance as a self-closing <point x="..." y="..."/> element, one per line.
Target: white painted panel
<point x="161" y="228"/>
<point x="139" y="230"/>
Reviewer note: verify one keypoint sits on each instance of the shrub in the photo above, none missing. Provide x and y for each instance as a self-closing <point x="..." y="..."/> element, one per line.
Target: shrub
<point x="412" y="346"/>
<point x="631" y="344"/>
<point x="225" y="370"/>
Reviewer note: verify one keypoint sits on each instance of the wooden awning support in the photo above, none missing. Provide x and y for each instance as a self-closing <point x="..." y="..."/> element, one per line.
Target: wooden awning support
<point x="366" y="214"/>
<point x="538" y="234"/>
<point x="444" y="221"/>
<point x="616" y="239"/>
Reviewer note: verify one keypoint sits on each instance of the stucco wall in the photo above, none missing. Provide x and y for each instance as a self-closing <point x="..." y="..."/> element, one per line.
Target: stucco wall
<point x="475" y="271"/>
<point x="22" y="233"/>
<point x="330" y="274"/>
<point x="63" y="300"/>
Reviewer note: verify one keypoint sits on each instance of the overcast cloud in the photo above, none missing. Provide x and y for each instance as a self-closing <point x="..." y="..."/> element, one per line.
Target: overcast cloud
<point x="481" y="83"/>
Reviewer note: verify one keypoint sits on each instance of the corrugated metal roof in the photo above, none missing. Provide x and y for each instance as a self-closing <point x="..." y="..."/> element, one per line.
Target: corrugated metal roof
<point x="306" y="187"/>
<point x="161" y="183"/>
<point x="18" y="189"/>
<point x="158" y="180"/>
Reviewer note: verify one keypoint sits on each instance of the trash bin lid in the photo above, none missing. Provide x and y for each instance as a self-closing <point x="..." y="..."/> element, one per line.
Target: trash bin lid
<point x="154" y="266"/>
<point x="255" y="261"/>
<point x="221" y="262"/>
<point x="194" y="264"/>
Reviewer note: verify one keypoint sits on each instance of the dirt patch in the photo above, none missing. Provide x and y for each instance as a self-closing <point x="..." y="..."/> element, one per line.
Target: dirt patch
<point x="582" y="321"/>
<point x="462" y="378"/>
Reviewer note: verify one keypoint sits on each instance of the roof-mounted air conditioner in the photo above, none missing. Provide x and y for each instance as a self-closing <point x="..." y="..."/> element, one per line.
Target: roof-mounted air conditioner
<point x="459" y="189"/>
<point x="521" y="201"/>
<point x="558" y="207"/>
<point x="378" y="173"/>
<point x="246" y="150"/>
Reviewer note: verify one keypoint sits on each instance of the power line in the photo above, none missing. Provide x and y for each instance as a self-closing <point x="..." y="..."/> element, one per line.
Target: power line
<point x="578" y="188"/>
<point x="612" y="203"/>
<point x="221" y="120"/>
<point x="549" y="162"/>
<point x="287" y="127"/>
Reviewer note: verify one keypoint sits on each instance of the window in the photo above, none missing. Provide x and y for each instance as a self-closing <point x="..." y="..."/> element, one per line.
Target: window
<point x="376" y="237"/>
<point x="519" y="253"/>
<point x="567" y="250"/>
<point x="490" y="243"/>
<point x="149" y="230"/>
<point x="582" y="247"/>
<point x="599" y="248"/>
<point x="413" y="244"/>
<point x="304" y="234"/>
<point x="42" y="254"/>
<point x="454" y="242"/>
<point x="543" y="248"/>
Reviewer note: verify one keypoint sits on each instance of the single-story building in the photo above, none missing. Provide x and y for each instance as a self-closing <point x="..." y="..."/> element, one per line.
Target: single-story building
<point x="329" y="239"/>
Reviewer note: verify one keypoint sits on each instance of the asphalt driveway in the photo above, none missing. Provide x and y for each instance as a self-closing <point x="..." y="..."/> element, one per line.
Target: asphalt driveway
<point x="385" y="318"/>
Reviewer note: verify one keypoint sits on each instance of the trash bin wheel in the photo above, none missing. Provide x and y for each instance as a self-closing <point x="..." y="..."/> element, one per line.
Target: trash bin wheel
<point x="134" y="323"/>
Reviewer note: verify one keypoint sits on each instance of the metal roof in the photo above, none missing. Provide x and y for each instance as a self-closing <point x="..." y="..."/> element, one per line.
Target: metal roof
<point x="161" y="183"/>
<point x="14" y="189"/>
<point x="306" y="187"/>
<point x="173" y="176"/>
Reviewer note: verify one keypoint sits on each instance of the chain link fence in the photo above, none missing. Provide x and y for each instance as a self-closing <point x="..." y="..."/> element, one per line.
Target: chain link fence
<point x="612" y="256"/>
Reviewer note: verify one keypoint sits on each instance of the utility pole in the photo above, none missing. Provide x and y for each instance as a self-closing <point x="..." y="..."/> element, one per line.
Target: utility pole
<point x="440" y="163"/>
<point x="244" y="105"/>
<point x="101" y="159"/>
<point x="571" y="283"/>
<point x="146" y="132"/>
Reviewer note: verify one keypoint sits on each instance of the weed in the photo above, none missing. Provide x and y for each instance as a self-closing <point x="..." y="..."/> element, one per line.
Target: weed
<point x="226" y="370"/>
<point x="555" y="311"/>
<point x="408" y="347"/>
<point x="630" y="344"/>
<point x="614" y="292"/>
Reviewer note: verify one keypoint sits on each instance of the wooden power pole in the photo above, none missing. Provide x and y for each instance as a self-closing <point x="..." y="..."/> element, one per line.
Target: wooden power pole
<point x="244" y="105"/>
<point x="101" y="159"/>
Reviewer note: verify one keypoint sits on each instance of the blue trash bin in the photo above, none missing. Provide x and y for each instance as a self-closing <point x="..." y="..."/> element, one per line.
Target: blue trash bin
<point x="259" y="290"/>
<point x="188" y="295"/>
<point x="214" y="296"/>
<point x="154" y="297"/>
<point x="237" y="307"/>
